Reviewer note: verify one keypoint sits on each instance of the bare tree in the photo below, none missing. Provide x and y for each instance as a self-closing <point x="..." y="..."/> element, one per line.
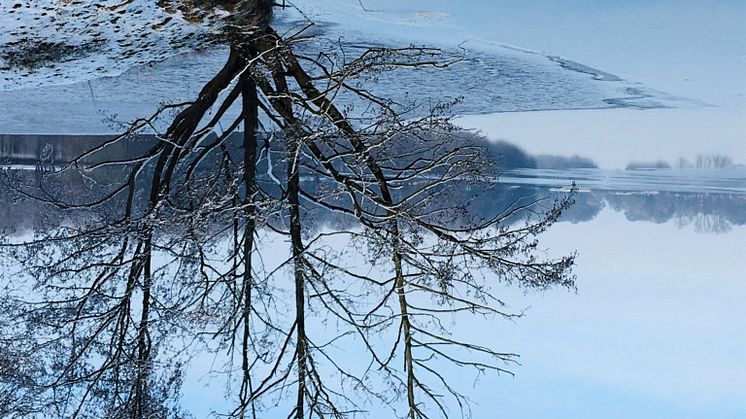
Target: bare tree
<point x="164" y="258"/>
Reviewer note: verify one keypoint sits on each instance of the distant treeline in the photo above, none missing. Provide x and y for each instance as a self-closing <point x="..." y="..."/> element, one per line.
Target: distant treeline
<point x="60" y="149"/>
<point x="706" y="212"/>
<point x="702" y="161"/>
<point x="35" y="149"/>
<point x="510" y="156"/>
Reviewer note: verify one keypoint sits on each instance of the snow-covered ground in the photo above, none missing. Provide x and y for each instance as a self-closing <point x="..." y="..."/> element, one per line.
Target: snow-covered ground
<point x="71" y="97"/>
<point x="52" y="42"/>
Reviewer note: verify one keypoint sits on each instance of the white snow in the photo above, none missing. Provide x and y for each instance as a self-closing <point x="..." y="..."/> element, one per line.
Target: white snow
<point x="72" y="98"/>
<point x="117" y="34"/>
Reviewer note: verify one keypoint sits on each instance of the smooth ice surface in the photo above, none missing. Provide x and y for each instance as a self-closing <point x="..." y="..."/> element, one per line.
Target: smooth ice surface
<point x="686" y="48"/>
<point x="503" y="80"/>
<point x="691" y="50"/>
<point x="70" y="97"/>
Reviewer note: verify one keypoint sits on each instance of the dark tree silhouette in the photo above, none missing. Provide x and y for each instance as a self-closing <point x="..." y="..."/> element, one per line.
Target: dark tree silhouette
<point x="164" y="257"/>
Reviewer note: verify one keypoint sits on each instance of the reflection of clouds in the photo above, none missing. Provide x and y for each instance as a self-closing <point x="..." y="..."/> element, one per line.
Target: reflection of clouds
<point x="659" y="315"/>
<point x="655" y="330"/>
<point x="644" y="336"/>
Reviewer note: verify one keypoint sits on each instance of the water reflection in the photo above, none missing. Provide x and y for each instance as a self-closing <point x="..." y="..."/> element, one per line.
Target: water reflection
<point x="705" y="201"/>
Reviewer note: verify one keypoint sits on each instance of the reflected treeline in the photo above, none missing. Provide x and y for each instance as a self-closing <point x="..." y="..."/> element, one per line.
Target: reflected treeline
<point x="48" y="181"/>
<point x="32" y="184"/>
<point x="705" y="212"/>
<point x="702" y="212"/>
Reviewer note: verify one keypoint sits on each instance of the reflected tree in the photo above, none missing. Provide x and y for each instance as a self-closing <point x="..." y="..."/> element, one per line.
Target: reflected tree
<point x="165" y="257"/>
